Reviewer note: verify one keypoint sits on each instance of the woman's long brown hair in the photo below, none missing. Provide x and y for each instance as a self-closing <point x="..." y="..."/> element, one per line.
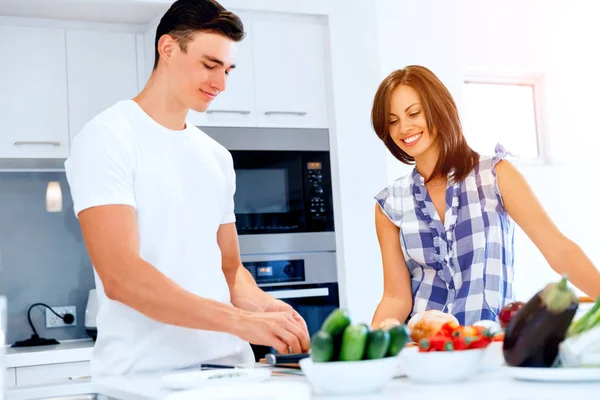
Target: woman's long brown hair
<point x="441" y="112"/>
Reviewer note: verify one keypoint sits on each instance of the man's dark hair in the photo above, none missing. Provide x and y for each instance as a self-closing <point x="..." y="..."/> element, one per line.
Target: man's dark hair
<point x="186" y="17"/>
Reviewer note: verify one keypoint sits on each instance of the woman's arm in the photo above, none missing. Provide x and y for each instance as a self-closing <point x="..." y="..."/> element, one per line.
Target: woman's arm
<point x="396" y="302"/>
<point x="564" y="256"/>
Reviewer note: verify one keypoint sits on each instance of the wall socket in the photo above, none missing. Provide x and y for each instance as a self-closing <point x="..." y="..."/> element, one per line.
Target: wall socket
<point x="52" y="321"/>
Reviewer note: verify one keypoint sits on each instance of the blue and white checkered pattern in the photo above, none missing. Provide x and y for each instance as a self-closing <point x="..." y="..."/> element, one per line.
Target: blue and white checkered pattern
<point x="464" y="266"/>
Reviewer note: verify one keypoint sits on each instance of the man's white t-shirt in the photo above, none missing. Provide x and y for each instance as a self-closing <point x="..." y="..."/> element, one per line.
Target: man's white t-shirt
<point x="181" y="184"/>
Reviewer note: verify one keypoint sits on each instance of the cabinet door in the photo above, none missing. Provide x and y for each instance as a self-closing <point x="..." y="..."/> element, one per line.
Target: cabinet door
<point x="102" y="69"/>
<point x="289" y="63"/>
<point x="33" y="84"/>
<point x="51" y="373"/>
<point x="235" y="106"/>
<point x="11" y="380"/>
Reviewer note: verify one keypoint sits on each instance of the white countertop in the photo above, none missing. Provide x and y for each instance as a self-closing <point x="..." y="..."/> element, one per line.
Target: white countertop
<point x="66" y="351"/>
<point x="493" y="385"/>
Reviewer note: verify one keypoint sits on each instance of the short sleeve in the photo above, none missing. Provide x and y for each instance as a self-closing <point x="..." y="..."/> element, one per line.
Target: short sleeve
<point x="100" y="168"/>
<point x="500" y="153"/>
<point x="390" y="204"/>
<point x="228" y="211"/>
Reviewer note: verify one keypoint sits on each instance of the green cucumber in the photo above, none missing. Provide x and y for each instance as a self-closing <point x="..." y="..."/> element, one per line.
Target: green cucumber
<point x="321" y="347"/>
<point x="354" y="342"/>
<point x="399" y="336"/>
<point x="378" y="343"/>
<point x="336" y="322"/>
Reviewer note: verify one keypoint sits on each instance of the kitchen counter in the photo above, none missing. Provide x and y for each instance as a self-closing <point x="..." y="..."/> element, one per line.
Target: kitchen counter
<point x="66" y="351"/>
<point x="493" y="385"/>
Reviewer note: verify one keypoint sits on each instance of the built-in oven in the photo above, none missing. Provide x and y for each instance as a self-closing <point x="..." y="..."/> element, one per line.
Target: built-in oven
<point x="306" y="281"/>
<point x="284" y="216"/>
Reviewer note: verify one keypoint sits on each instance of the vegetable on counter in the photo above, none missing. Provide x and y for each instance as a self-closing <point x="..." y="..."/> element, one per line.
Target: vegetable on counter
<point x="399" y="336"/>
<point x="582" y="346"/>
<point x="508" y="312"/>
<point x="450" y="338"/>
<point x="340" y="340"/>
<point x="581" y="350"/>
<point x="534" y="333"/>
<point x="378" y="343"/>
<point x="354" y="342"/>
<point x="589" y="320"/>
<point x="336" y="322"/>
<point x="321" y="346"/>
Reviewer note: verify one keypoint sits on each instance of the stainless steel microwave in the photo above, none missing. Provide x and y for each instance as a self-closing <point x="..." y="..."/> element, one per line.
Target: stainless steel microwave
<point x="283" y="188"/>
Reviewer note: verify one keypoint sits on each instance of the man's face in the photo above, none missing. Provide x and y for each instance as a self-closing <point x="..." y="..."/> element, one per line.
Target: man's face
<point x="199" y="74"/>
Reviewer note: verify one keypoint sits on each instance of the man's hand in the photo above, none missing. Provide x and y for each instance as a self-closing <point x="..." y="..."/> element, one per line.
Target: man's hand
<point x="277" y="329"/>
<point x="277" y="305"/>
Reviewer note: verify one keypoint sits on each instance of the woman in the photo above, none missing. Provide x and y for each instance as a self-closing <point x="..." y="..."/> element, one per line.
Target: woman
<point x="446" y="230"/>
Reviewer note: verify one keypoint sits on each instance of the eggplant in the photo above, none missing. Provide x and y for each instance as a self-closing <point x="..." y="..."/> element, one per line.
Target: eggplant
<point x="533" y="335"/>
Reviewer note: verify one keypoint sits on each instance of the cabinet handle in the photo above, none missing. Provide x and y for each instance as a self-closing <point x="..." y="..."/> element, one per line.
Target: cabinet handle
<point x="300" y="113"/>
<point x="41" y="143"/>
<point x="243" y="112"/>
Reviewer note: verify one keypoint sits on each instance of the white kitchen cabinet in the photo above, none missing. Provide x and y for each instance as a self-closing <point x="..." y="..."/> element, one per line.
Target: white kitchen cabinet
<point x="43" y="374"/>
<point x="236" y="105"/>
<point x="102" y="69"/>
<point x="10" y="378"/>
<point x="33" y="84"/>
<point x="290" y="78"/>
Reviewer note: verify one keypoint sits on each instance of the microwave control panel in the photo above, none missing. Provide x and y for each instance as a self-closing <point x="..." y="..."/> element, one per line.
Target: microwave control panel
<point x="318" y="205"/>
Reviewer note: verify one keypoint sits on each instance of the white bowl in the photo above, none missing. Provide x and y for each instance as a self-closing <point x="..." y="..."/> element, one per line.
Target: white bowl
<point x="349" y="377"/>
<point x="441" y="366"/>
<point x="493" y="357"/>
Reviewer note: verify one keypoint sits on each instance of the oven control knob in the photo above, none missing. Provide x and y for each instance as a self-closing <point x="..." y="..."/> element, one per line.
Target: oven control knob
<point x="317" y="190"/>
<point x="289" y="270"/>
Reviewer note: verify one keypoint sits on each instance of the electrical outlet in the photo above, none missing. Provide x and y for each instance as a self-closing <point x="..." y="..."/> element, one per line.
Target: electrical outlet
<point x="52" y="321"/>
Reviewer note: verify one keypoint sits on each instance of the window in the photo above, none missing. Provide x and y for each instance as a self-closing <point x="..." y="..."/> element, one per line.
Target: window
<point x="506" y="111"/>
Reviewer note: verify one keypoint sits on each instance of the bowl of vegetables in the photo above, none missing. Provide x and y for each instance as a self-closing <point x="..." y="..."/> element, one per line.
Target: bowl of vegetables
<point x="453" y="354"/>
<point x="347" y="358"/>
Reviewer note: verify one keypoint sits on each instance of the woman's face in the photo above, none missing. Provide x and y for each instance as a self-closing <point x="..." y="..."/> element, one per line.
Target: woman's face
<point x="408" y="123"/>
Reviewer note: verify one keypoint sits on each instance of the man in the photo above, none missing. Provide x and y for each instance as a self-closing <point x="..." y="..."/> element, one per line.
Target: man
<point x="154" y="198"/>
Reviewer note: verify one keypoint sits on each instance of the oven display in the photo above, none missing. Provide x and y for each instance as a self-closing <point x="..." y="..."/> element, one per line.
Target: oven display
<point x="314" y="165"/>
<point x="276" y="271"/>
<point x="264" y="271"/>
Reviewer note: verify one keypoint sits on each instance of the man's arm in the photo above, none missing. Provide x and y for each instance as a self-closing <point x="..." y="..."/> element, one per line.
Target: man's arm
<point x="111" y="236"/>
<point x="245" y="294"/>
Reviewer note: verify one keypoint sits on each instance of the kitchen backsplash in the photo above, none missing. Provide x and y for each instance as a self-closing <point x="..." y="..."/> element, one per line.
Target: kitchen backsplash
<point x="42" y="255"/>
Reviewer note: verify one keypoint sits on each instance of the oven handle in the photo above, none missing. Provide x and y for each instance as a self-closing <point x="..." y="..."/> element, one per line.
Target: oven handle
<point x="299" y="293"/>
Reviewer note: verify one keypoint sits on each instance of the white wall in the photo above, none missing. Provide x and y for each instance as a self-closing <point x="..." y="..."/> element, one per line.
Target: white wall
<point x="554" y="38"/>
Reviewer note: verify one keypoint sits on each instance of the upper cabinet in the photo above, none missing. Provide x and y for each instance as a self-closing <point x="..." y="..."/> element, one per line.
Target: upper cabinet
<point x="33" y="83"/>
<point x="236" y="105"/>
<point x="102" y="69"/>
<point x="289" y="65"/>
<point x="55" y="76"/>
<point x="280" y="78"/>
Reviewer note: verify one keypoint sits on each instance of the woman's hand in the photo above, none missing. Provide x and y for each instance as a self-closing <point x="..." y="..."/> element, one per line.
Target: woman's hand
<point x="387" y="324"/>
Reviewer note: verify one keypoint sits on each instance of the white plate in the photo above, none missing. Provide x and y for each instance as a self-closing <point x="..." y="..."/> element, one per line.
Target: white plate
<point x="553" y="374"/>
<point x="197" y="379"/>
